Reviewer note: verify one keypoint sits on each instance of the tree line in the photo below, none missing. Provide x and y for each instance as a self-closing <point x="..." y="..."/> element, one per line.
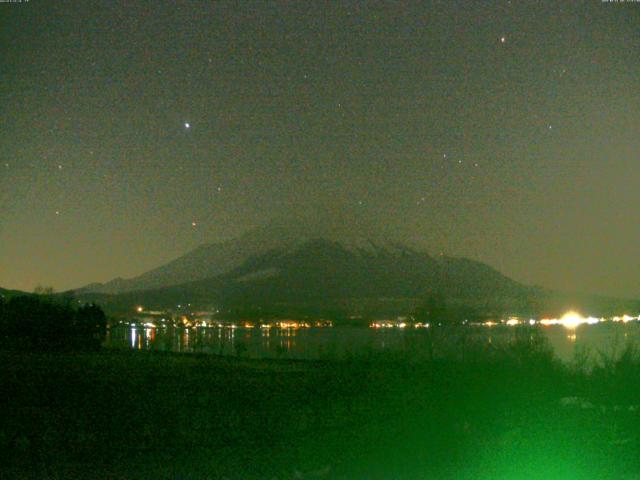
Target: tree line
<point x="46" y="322"/>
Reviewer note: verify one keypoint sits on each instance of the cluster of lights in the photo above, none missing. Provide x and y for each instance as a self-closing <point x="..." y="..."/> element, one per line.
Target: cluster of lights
<point x="396" y="324"/>
<point x="385" y="324"/>
<point x="625" y="318"/>
<point x="570" y="320"/>
<point x="187" y="322"/>
<point x="292" y="324"/>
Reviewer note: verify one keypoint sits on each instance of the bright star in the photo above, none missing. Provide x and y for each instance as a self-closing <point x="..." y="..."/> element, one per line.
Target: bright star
<point x="187" y="125"/>
<point x="503" y="39"/>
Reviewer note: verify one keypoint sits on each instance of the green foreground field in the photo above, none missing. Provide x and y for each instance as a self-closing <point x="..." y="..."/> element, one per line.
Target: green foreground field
<point x="514" y="414"/>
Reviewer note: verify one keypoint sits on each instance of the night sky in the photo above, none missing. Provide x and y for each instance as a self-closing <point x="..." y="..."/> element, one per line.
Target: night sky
<point x="506" y="131"/>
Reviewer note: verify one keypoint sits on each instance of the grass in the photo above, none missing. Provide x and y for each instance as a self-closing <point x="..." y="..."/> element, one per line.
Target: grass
<point x="494" y="414"/>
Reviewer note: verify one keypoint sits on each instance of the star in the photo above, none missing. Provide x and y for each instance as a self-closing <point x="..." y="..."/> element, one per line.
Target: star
<point x="57" y="212"/>
<point x="503" y="39"/>
<point x="59" y="167"/>
<point x="187" y="125"/>
<point x="193" y="224"/>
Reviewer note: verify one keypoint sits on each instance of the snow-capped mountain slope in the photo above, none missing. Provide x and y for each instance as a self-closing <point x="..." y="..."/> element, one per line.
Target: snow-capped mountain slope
<point x="215" y="259"/>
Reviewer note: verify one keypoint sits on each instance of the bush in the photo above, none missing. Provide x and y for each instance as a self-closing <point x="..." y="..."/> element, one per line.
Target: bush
<point x="42" y="323"/>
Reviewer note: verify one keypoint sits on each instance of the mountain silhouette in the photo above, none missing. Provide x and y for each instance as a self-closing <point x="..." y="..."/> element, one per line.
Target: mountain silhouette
<point x="334" y="264"/>
<point x="218" y="258"/>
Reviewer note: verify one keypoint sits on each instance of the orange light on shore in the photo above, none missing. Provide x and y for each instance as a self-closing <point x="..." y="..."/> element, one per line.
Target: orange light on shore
<point x="549" y="321"/>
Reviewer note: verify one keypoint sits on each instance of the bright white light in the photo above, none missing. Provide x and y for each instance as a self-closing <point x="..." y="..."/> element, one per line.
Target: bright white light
<point x="187" y="125"/>
<point x="571" y="320"/>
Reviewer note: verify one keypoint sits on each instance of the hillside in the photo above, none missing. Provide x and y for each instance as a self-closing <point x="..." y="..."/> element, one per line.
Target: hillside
<point x="5" y="293"/>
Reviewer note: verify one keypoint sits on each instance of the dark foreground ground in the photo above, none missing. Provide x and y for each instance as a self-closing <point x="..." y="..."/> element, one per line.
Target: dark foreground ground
<point x="513" y="414"/>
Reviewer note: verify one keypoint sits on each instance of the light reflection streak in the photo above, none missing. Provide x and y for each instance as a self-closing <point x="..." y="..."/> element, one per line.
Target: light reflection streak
<point x="133" y="337"/>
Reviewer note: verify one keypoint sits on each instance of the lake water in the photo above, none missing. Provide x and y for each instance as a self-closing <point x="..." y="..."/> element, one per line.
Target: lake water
<point x="345" y="341"/>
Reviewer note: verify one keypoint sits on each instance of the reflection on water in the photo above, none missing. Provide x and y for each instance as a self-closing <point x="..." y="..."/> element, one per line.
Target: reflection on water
<point x="341" y="342"/>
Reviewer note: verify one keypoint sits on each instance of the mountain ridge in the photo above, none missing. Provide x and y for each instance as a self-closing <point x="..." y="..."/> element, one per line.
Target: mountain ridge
<point x="215" y="258"/>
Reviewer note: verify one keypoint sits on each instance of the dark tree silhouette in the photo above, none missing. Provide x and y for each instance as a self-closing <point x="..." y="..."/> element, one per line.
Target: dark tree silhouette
<point x="42" y="323"/>
<point x="43" y="290"/>
<point x="90" y="324"/>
